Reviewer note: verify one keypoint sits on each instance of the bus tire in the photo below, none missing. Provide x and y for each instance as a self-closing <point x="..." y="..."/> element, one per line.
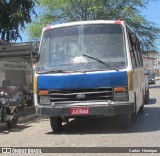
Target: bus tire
<point x="56" y="124"/>
<point x="141" y="110"/>
<point x="125" y="121"/>
<point x="146" y="99"/>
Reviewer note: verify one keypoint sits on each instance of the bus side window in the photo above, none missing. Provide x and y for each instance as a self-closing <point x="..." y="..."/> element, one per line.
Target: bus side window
<point x="133" y="59"/>
<point x="131" y="50"/>
<point x="139" y="53"/>
<point x="135" y="51"/>
<point x="141" y="59"/>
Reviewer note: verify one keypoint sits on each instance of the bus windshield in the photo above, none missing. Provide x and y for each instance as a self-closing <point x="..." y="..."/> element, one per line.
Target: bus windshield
<point x="64" y="49"/>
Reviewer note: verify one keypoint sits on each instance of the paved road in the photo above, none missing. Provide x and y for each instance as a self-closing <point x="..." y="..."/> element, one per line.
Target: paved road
<point x="144" y="132"/>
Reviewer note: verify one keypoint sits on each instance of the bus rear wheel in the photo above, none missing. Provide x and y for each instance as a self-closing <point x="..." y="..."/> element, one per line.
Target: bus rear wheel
<point x="146" y="98"/>
<point x="56" y="124"/>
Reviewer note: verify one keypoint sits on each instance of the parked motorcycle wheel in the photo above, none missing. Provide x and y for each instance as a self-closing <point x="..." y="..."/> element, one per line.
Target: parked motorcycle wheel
<point x="13" y="122"/>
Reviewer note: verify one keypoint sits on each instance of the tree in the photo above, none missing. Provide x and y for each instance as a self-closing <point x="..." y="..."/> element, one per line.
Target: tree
<point x="59" y="11"/>
<point x="14" y="14"/>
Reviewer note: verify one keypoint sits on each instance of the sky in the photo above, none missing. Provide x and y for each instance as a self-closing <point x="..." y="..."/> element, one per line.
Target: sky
<point x="151" y="13"/>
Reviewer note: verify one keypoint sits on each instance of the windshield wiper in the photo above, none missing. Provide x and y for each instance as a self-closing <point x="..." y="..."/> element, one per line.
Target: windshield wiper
<point x="92" y="57"/>
<point x="50" y="71"/>
<point x="56" y="71"/>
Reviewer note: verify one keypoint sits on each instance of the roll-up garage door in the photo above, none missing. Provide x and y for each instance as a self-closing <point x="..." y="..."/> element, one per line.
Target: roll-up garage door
<point x="16" y="77"/>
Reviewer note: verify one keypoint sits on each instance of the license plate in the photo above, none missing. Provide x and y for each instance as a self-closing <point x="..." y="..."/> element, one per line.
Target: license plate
<point x="79" y="111"/>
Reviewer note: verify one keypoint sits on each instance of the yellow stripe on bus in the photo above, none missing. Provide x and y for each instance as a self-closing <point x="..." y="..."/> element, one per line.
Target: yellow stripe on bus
<point x="35" y="84"/>
<point x="130" y="80"/>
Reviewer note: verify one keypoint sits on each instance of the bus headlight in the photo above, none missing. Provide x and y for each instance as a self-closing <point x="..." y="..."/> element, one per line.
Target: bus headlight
<point x="45" y="99"/>
<point x="121" y="96"/>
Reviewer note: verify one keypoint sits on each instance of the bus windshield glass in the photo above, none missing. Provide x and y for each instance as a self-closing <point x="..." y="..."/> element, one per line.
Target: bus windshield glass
<point x="64" y="49"/>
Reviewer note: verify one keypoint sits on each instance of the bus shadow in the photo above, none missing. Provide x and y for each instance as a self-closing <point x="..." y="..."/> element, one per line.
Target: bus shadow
<point x="146" y="122"/>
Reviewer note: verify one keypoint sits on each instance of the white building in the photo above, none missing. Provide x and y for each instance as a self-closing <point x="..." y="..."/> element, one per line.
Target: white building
<point x="16" y="68"/>
<point x="151" y="61"/>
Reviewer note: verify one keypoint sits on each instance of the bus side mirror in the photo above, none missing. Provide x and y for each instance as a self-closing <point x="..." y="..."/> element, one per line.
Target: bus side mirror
<point x="34" y="50"/>
<point x="133" y="38"/>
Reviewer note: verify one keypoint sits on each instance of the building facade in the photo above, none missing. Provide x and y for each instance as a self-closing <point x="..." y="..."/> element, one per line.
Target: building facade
<point x="151" y="61"/>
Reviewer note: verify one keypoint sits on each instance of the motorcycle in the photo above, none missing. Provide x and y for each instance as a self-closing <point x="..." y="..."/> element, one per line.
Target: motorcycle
<point x="9" y="109"/>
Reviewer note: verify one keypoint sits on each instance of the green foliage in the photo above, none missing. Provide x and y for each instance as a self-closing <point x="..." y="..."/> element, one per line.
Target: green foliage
<point x="14" y="14"/>
<point x="60" y="11"/>
<point x="34" y="30"/>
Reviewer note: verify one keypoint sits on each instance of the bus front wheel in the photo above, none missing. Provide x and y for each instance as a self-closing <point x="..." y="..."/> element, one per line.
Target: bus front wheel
<point x="56" y="123"/>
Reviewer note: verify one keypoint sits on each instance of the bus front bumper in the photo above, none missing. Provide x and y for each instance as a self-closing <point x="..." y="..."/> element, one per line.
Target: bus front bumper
<point x="85" y="110"/>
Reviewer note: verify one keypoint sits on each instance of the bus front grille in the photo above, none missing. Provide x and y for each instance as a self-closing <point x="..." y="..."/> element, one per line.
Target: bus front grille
<point x="81" y="95"/>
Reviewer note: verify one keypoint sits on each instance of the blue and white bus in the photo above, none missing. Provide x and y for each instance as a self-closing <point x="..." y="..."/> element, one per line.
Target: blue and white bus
<point x="89" y="69"/>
